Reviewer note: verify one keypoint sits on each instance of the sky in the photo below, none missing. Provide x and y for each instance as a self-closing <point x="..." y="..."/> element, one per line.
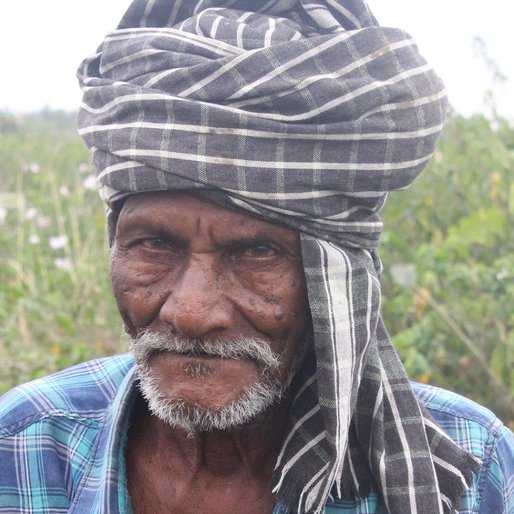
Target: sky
<point x="43" y="42"/>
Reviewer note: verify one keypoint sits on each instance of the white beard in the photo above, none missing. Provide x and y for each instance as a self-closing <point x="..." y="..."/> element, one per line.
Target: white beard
<point x="254" y="399"/>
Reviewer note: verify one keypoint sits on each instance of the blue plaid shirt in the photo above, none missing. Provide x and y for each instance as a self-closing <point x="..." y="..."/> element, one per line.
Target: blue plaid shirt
<point x="62" y="441"/>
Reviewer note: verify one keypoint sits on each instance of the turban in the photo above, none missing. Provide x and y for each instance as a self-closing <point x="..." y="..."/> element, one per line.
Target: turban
<point x="306" y="113"/>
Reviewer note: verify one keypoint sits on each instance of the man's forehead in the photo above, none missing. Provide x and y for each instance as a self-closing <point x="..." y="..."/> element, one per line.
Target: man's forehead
<point x="181" y="209"/>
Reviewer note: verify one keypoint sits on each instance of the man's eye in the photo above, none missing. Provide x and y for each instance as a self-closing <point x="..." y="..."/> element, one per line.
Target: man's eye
<point x="259" y="251"/>
<point x="155" y="243"/>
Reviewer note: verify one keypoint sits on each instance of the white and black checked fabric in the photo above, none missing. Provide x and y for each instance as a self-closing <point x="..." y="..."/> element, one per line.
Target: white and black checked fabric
<point x="308" y="113"/>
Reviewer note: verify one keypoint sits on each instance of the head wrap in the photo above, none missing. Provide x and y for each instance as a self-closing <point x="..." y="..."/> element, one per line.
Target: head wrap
<point x="307" y="113"/>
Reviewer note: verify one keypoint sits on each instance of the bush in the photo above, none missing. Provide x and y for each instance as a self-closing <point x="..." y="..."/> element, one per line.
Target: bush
<point x="448" y="253"/>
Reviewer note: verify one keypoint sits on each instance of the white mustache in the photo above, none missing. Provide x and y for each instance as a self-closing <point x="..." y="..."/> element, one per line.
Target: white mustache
<point x="251" y="348"/>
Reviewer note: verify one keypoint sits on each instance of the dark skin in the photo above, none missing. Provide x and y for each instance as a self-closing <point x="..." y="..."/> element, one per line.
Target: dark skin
<point x="182" y="265"/>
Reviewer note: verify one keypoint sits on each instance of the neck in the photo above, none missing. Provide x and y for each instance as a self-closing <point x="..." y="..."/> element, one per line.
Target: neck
<point x="251" y="449"/>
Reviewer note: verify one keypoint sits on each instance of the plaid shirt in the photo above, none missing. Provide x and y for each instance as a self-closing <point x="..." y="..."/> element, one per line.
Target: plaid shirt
<point x="62" y="444"/>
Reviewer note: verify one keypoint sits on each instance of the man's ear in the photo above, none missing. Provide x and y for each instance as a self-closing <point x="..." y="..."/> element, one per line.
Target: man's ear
<point x="112" y="220"/>
<point x="130" y="329"/>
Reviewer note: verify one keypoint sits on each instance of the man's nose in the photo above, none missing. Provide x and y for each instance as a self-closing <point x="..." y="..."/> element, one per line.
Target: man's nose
<point x="196" y="305"/>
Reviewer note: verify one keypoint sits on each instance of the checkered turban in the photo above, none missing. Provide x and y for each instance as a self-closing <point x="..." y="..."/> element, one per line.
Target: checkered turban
<point x="306" y="113"/>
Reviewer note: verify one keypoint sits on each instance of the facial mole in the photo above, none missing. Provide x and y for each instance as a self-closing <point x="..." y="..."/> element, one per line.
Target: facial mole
<point x="279" y="315"/>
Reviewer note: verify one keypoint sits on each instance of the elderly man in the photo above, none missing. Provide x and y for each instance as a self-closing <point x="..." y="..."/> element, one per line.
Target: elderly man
<point x="244" y="149"/>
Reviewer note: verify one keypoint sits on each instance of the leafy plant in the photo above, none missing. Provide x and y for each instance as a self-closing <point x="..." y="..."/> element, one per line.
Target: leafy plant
<point x="454" y="323"/>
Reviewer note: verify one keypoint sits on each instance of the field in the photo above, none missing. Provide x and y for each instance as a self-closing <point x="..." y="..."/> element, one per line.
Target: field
<point x="448" y="253"/>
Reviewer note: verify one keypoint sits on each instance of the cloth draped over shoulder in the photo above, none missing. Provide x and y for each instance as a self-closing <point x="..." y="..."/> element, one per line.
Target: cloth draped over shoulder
<point x="307" y="113"/>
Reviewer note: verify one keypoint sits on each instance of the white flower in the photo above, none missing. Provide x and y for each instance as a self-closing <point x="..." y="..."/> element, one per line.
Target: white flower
<point x="34" y="167"/>
<point x="43" y="221"/>
<point x="3" y="214"/>
<point x="63" y="264"/>
<point x="57" y="242"/>
<point x="64" y="191"/>
<point x="89" y="182"/>
<point x="84" y="168"/>
<point x="501" y="275"/>
<point x="30" y="213"/>
<point x="404" y="274"/>
<point x="33" y="239"/>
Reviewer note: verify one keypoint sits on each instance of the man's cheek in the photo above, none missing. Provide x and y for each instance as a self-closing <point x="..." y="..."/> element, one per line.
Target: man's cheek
<point x="139" y="293"/>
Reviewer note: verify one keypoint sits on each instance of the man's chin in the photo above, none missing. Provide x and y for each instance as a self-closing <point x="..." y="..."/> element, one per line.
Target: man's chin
<point x="203" y="386"/>
<point x="193" y="418"/>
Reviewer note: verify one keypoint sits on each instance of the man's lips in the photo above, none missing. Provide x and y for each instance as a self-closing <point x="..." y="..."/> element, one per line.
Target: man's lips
<point x="192" y="355"/>
<point x="201" y="356"/>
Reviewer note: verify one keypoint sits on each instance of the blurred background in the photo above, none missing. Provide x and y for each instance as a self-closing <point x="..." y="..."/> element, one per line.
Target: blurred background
<point x="448" y="246"/>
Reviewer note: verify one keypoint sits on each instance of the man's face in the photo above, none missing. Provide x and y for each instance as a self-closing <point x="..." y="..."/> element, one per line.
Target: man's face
<point x="186" y="272"/>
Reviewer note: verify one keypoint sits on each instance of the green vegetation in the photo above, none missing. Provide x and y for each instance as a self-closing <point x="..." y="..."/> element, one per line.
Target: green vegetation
<point x="55" y="304"/>
<point x="448" y="254"/>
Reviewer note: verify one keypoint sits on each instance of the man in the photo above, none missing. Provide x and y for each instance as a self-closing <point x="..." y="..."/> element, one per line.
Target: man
<point x="244" y="150"/>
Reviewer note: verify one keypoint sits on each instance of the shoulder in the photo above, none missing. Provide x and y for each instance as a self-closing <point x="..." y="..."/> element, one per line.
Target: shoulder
<point x="478" y="431"/>
<point x="450" y="409"/>
<point x="471" y="426"/>
<point x="50" y="430"/>
<point x="443" y="402"/>
<point x="81" y="393"/>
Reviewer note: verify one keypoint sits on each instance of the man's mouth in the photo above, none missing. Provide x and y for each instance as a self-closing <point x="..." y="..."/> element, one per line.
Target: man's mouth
<point x="203" y="357"/>
<point x="195" y="354"/>
<point x="242" y="349"/>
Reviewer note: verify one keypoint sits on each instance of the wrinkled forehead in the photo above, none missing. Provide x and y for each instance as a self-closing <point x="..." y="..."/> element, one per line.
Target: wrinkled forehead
<point x="181" y="207"/>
